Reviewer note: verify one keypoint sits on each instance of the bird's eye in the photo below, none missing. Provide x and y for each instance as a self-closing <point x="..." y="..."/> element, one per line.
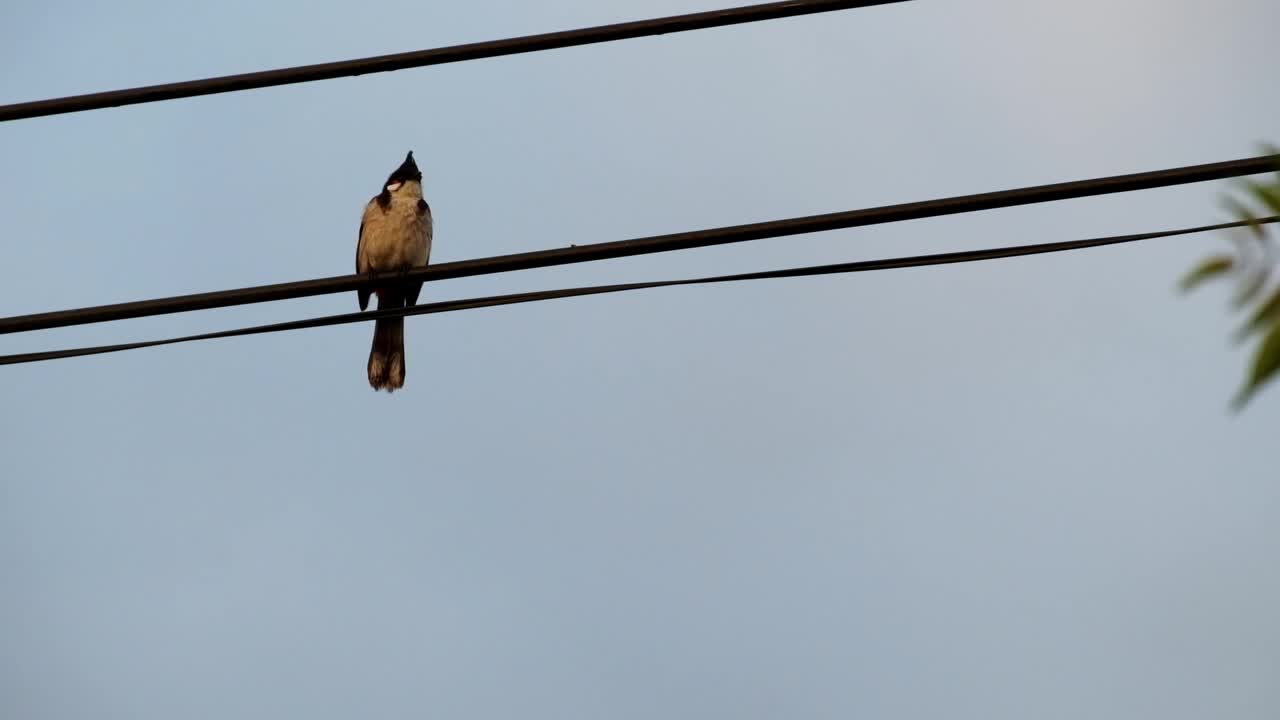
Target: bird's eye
<point x="392" y="187"/>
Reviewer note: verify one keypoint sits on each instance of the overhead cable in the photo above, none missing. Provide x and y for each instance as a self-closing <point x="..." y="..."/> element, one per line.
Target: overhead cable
<point x="433" y="56"/>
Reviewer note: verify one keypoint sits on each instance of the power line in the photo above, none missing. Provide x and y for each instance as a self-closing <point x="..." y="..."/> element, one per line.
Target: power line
<point x="433" y="56"/>
<point x="538" y="296"/>
<point x="654" y="244"/>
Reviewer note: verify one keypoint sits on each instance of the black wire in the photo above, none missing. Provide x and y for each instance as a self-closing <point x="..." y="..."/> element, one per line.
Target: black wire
<point x="434" y="56"/>
<point x="654" y="244"/>
<point x="537" y="296"/>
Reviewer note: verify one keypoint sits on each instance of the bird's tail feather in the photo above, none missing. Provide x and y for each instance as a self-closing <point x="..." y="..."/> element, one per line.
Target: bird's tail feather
<point x="386" y="356"/>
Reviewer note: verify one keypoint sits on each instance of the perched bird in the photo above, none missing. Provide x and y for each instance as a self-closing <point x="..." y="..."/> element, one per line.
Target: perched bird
<point x="395" y="235"/>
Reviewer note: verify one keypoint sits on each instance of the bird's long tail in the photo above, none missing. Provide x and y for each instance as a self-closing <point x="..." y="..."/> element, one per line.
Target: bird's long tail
<point x="386" y="356"/>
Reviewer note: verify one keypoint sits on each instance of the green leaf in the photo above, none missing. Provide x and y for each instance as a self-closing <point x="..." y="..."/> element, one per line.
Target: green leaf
<point x="1267" y="195"/>
<point x="1266" y="314"/>
<point x="1247" y="246"/>
<point x="1266" y="362"/>
<point x="1244" y="214"/>
<point x="1209" y="268"/>
<point x="1250" y="285"/>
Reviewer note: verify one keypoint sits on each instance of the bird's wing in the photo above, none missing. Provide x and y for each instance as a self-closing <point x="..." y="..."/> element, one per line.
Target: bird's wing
<point x="359" y="243"/>
<point x="362" y="266"/>
<point x="430" y="223"/>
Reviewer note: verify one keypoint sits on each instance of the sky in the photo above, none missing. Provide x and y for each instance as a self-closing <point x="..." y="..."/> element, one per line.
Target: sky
<point x="999" y="490"/>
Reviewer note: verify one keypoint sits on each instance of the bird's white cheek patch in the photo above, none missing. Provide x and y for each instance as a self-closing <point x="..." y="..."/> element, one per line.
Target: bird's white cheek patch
<point x="392" y="187"/>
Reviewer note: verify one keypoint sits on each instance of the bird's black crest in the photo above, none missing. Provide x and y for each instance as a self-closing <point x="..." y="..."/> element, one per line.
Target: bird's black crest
<point x="407" y="171"/>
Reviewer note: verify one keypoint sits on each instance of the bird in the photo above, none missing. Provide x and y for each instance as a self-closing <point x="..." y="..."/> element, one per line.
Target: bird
<point x="395" y="236"/>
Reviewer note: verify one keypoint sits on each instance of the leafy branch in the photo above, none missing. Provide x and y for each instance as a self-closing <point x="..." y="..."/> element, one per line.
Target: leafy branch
<point x="1252" y="266"/>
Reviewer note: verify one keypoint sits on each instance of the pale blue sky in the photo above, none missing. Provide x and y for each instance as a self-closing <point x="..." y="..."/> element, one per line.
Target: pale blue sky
<point x="1004" y="490"/>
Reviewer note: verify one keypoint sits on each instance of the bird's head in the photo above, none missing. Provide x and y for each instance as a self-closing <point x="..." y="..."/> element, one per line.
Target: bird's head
<point x="405" y="174"/>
